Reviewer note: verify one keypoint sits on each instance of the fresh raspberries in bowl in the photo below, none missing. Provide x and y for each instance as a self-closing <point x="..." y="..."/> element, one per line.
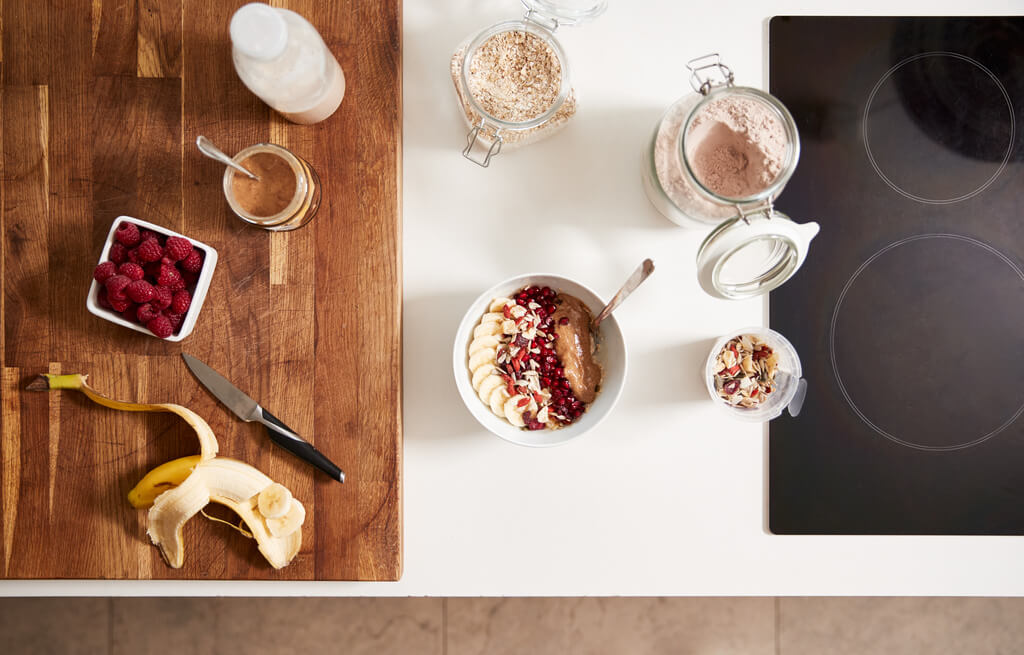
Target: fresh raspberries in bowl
<point x="149" y="278"/>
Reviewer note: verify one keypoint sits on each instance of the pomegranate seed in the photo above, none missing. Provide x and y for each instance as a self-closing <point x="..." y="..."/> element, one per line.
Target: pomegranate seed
<point x="563" y="321"/>
<point x="547" y="292"/>
<point x="550" y="309"/>
<point x="541" y="313"/>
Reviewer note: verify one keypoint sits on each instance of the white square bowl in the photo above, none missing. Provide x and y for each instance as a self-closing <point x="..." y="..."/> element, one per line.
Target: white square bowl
<point x="198" y="296"/>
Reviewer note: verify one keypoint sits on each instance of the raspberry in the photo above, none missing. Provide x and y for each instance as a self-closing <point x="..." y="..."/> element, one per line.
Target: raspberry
<point x="175" y="319"/>
<point x="146" y="313"/>
<point x="170" y="277"/>
<point x="160" y="326"/>
<point x="162" y="298"/>
<point x="133" y="256"/>
<point x="119" y="304"/>
<point x="181" y="302"/>
<point x="150" y="250"/>
<point x="128" y="234"/>
<point x="146" y="235"/>
<point x="102" y="298"/>
<point x="131" y="271"/>
<point x="152" y="269"/>
<point x="129" y="312"/>
<point x="178" y="248"/>
<point x="104" y="271"/>
<point x="140" y="291"/>
<point x="115" y="285"/>
<point x="117" y="253"/>
<point x="193" y="263"/>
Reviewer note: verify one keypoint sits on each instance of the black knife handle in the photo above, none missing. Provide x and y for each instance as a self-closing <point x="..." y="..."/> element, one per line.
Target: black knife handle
<point x="301" y="449"/>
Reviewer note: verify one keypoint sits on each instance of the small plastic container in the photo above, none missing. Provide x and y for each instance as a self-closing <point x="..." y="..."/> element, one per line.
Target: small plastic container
<point x="298" y="211"/>
<point x="791" y="388"/>
<point x="753" y="248"/>
<point x="282" y="58"/>
<point x="198" y="294"/>
<point x="490" y="133"/>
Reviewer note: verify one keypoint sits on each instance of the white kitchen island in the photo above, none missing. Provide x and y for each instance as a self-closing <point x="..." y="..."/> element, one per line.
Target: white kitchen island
<point x="668" y="495"/>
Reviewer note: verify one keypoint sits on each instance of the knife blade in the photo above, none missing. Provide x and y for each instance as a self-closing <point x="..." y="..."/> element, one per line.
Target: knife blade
<point x="249" y="410"/>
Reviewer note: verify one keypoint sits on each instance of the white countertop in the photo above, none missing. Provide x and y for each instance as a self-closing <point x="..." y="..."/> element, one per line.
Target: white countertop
<point x="667" y="496"/>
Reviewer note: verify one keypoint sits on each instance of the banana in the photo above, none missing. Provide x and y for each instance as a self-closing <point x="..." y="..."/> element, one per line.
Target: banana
<point x="289" y="523"/>
<point x="489" y="342"/>
<point x="498" y="304"/>
<point x="166" y="476"/>
<point x="177" y="490"/>
<point x="77" y="382"/>
<point x="514" y="412"/>
<point x="490" y="383"/>
<point x="274" y="501"/>
<point x="488" y="328"/>
<point x="482" y="373"/>
<point x="480" y="358"/>
<point x="497" y="401"/>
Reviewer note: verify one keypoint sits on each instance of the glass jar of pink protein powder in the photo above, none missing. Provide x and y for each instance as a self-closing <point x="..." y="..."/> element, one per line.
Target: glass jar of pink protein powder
<point x="719" y="158"/>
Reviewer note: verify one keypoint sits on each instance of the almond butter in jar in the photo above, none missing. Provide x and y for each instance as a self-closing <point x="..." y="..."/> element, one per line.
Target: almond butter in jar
<point x="285" y="197"/>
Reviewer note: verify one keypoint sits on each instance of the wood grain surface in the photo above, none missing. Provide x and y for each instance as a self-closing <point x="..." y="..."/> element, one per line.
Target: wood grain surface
<point x="100" y="105"/>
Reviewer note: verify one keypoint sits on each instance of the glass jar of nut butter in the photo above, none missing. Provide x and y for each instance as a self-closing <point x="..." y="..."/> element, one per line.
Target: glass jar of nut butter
<point x="286" y="194"/>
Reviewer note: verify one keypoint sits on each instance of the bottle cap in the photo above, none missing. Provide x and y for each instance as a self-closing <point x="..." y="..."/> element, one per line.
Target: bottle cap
<point x="259" y="31"/>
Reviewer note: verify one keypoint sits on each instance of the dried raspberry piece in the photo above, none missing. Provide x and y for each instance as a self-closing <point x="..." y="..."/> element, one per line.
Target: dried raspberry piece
<point x="181" y="302"/>
<point x="119" y="304"/>
<point x="175" y="319"/>
<point x="131" y="271"/>
<point x="115" y="285"/>
<point x="193" y="263"/>
<point x="140" y="291"/>
<point x="146" y="313"/>
<point x="177" y="248"/>
<point x="150" y="250"/>
<point x="162" y="297"/>
<point x="170" y="277"/>
<point x="117" y="253"/>
<point x="104" y="271"/>
<point x="128" y="234"/>
<point x="160" y="326"/>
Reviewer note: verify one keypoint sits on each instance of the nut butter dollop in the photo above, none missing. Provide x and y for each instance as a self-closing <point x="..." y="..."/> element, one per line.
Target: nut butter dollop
<point x="576" y="348"/>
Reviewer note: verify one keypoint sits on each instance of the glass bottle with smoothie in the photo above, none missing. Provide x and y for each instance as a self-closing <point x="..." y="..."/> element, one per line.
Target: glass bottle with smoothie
<point x="282" y="58"/>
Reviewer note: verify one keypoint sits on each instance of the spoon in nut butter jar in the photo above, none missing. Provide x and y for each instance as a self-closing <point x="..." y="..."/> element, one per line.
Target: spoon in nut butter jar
<point x="213" y="152"/>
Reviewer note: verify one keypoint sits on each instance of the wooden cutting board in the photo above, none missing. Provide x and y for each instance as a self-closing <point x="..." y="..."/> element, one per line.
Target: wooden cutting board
<point x="101" y="103"/>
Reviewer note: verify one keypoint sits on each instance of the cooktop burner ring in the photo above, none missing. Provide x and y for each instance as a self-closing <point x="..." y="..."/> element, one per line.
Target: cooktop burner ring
<point x="835" y="363"/>
<point x="866" y="139"/>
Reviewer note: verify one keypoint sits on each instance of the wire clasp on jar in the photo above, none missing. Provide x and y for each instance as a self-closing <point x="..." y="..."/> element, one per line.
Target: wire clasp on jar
<point x="473" y="136"/>
<point x="549" y="23"/>
<point x="708" y="72"/>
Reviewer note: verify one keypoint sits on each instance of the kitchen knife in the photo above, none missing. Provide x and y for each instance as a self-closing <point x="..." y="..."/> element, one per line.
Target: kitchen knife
<point x="249" y="410"/>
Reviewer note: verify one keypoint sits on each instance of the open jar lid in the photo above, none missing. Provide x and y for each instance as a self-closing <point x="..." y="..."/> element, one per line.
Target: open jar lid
<point x="566" y="12"/>
<point x="750" y="255"/>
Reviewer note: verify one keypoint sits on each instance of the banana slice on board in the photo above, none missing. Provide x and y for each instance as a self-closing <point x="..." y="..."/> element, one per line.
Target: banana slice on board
<point x="289" y="523"/>
<point x="274" y="501"/>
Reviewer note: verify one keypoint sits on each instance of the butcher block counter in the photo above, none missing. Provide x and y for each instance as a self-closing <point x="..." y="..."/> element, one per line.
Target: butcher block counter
<point x="102" y="102"/>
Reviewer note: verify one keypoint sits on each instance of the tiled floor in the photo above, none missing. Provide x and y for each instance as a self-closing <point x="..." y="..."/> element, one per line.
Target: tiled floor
<point x="472" y="626"/>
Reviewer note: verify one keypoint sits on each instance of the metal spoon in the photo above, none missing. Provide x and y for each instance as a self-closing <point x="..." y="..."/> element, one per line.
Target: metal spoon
<point x="638" y="276"/>
<point x="213" y="152"/>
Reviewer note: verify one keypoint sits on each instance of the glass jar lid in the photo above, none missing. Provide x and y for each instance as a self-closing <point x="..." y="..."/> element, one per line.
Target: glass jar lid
<point x="750" y="255"/>
<point x="565" y="12"/>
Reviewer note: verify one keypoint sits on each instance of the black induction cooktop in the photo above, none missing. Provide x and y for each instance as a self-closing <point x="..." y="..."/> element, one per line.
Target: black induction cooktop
<point x="908" y="314"/>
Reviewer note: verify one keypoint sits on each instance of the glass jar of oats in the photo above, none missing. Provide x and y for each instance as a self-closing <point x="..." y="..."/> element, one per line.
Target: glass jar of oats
<point x="718" y="159"/>
<point x="512" y="78"/>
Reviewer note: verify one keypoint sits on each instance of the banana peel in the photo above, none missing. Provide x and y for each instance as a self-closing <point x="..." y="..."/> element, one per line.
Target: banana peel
<point x="177" y="490"/>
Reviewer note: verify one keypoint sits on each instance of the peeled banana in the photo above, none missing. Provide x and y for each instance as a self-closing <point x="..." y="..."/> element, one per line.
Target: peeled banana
<point x="177" y="490"/>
